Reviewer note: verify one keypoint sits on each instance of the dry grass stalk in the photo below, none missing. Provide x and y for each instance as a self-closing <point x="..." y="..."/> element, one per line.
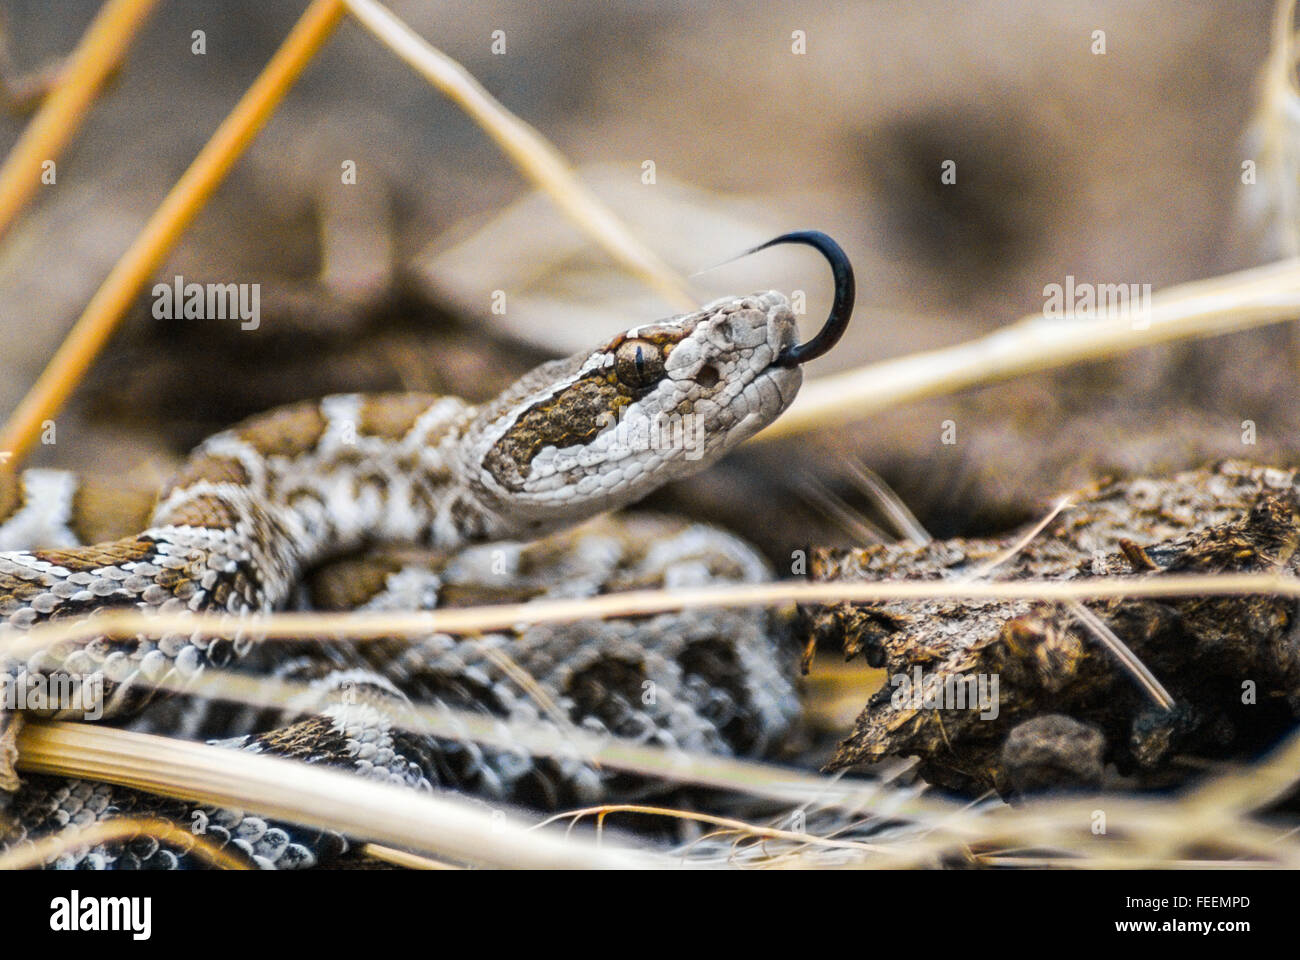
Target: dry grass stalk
<point x="50" y="848"/>
<point x="437" y="826"/>
<point x="1204" y="308"/>
<point x="105" y="310"/>
<point x="462" y="620"/>
<point x="532" y="153"/>
<point x="100" y="51"/>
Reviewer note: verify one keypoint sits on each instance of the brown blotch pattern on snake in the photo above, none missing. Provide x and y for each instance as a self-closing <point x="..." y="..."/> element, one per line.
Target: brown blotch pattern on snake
<point x="392" y="416"/>
<point x="287" y="432"/>
<point x="80" y="559"/>
<point x="572" y="416"/>
<point x="213" y="469"/>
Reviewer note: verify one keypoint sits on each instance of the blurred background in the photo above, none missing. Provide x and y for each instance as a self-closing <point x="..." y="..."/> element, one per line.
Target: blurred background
<point x="1114" y="167"/>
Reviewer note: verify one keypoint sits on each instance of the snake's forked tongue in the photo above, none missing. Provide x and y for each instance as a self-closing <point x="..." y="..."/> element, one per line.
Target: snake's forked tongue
<point x="845" y="292"/>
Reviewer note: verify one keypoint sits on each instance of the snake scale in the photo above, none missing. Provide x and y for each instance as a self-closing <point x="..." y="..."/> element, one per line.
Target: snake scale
<point x="309" y="506"/>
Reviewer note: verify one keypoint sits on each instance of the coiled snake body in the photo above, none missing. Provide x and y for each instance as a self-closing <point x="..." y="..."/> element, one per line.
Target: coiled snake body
<point x="257" y="506"/>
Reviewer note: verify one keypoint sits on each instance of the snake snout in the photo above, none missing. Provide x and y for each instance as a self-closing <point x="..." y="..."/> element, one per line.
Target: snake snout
<point x="842" y="308"/>
<point x="782" y="332"/>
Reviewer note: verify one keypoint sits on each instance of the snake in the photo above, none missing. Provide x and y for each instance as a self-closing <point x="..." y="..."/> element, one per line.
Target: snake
<point x="410" y="501"/>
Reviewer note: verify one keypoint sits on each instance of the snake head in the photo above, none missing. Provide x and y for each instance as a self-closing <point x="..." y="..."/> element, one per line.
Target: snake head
<point x="659" y="402"/>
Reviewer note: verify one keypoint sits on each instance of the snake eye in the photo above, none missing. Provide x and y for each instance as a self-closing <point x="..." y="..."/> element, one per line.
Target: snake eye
<point x="638" y="363"/>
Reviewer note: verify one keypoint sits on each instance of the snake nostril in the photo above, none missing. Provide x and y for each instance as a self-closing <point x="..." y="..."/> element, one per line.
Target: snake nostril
<point x="708" y="376"/>
<point x="724" y="330"/>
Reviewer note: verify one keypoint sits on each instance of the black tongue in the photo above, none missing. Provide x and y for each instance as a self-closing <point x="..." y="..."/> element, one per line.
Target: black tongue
<point x="845" y="292"/>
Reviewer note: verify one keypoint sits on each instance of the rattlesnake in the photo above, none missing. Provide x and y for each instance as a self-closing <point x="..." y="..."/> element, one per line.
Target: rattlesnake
<point x="258" y="506"/>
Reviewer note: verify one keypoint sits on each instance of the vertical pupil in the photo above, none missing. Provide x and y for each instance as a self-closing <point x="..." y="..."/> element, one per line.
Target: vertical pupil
<point x="640" y="363"/>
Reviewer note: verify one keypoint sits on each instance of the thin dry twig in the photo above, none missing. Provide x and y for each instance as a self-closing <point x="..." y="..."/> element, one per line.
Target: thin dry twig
<point x="105" y="310"/>
<point x="101" y="49"/>
<point x="986" y="569"/>
<point x="532" y="153"/>
<point x="1089" y="620"/>
<point x="48" y="849"/>
<point x="1129" y="660"/>
<point x="1273" y="131"/>
<point x="403" y="858"/>
<point x="1204" y="308"/>
<point x="888" y="502"/>
<point x="361" y="626"/>
<point x="727" y="823"/>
